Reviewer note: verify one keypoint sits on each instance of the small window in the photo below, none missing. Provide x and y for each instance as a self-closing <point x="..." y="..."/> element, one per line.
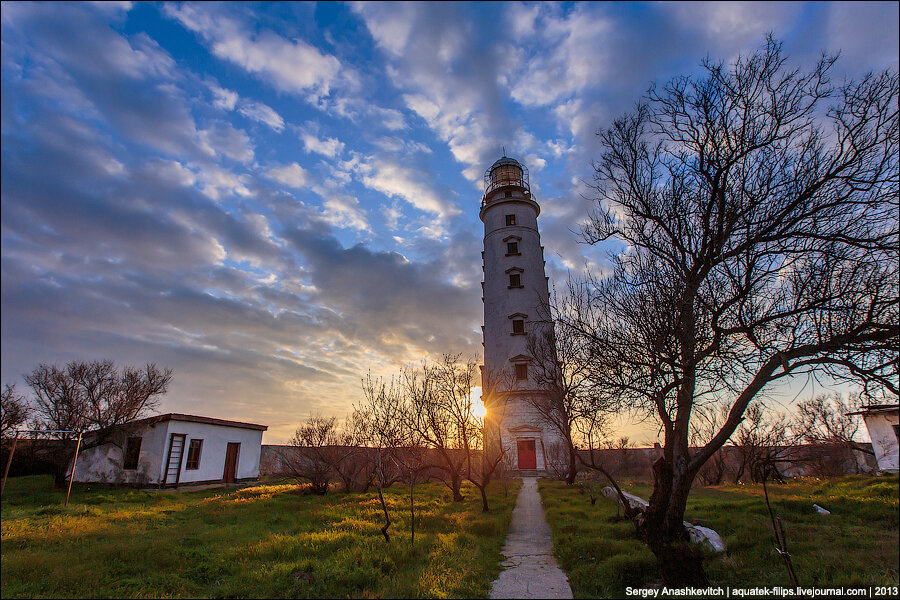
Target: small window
<point x="515" y="280"/>
<point x="193" y="458"/>
<point x="510" y="219"/>
<point x="512" y="248"/>
<point x="518" y="327"/>
<point x="521" y="372"/>
<point x="132" y="453"/>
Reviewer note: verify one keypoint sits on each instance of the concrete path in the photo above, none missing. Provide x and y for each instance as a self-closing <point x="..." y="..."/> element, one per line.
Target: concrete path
<point x="530" y="571"/>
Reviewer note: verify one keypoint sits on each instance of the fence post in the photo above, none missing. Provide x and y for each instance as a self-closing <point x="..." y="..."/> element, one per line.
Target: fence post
<point x="72" y="474"/>
<point x="9" y="462"/>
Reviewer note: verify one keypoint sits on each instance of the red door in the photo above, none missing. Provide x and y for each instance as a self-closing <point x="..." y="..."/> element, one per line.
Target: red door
<point x="527" y="456"/>
<point x="231" y="456"/>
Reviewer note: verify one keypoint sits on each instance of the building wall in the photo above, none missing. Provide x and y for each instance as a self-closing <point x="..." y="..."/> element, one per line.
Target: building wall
<point x="212" y="456"/>
<point x="103" y="464"/>
<point x="549" y="446"/>
<point x="884" y="440"/>
<point x="499" y="301"/>
<point x="519" y="420"/>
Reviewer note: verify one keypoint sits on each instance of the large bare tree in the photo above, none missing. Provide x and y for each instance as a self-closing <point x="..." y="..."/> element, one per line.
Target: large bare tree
<point x="92" y="396"/>
<point x="757" y="208"/>
<point x="14" y="410"/>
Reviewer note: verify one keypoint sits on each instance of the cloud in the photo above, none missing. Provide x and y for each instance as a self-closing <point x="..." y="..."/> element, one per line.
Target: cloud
<point x="329" y="147"/>
<point x="574" y="54"/>
<point x="261" y="113"/>
<point x="129" y="84"/>
<point x="448" y="75"/>
<point x="345" y="213"/>
<point x="290" y="65"/>
<point x="144" y="218"/>
<point x="362" y="286"/>
<point x="291" y="175"/>
<point x="224" y="99"/>
<point x="397" y="179"/>
<point x="223" y="139"/>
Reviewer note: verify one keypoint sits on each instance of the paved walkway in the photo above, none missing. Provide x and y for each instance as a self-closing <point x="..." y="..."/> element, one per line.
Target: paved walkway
<point x="530" y="571"/>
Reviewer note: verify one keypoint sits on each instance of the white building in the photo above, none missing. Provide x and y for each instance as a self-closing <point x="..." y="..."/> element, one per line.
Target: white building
<point x="883" y="423"/>
<point x="516" y="292"/>
<point x="172" y="449"/>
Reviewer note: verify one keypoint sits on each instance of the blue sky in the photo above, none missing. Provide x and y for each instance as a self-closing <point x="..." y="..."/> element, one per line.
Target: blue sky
<point x="273" y="199"/>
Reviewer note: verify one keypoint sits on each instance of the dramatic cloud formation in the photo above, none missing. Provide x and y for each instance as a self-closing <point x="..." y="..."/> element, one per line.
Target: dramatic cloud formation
<point x="275" y="199"/>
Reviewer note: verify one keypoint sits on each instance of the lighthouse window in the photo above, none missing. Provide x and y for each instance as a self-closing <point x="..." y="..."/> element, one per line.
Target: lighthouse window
<point x="510" y="219"/>
<point x="515" y="280"/>
<point x="518" y="327"/>
<point x="512" y="248"/>
<point x="521" y="372"/>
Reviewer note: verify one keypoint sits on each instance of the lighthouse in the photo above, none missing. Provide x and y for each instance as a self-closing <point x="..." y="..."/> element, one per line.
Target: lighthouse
<point x="515" y="294"/>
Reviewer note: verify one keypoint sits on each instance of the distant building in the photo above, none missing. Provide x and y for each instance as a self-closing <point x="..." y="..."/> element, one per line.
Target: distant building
<point x="515" y="294"/>
<point x="170" y="450"/>
<point x="883" y="423"/>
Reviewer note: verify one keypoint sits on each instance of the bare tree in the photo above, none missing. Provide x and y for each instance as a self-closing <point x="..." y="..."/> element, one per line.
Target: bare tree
<point x="561" y="368"/>
<point x="441" y="412"/>
<point x="757" y="206"/>
<point x="828" y="419"/>
<point x="707" y="421"/>
<point x="383" y="414"/>
<point x="13" y="410"/>
<point x="593" y="435"/>
<point x="314" y="452"/>
<point x="764" y="444"/>
<point x="93" y="396"/>
<point x="830" y="425"/>
<point x="485" y="453"/>
<point x="355" y="470"/>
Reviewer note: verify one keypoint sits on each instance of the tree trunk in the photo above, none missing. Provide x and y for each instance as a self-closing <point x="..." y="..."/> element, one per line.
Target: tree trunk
<point x="573" y="467"/>
<point x="412" y="511"/>
<point x="455" y="485"/>
<point x="484" y="503"/>
<point x="387" y="517"/>
<point x="662" y="528"/>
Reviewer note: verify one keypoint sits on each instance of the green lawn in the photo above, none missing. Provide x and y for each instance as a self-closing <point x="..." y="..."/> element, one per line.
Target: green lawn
<point x="857" y="544"/>
<point x="260" y="541"/>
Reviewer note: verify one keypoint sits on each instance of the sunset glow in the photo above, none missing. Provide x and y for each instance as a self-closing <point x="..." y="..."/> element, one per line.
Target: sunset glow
<point x="273" y="199"/>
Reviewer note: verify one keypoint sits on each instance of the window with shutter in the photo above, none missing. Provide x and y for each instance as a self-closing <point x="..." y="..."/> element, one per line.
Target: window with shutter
<point x="193" y="457"/>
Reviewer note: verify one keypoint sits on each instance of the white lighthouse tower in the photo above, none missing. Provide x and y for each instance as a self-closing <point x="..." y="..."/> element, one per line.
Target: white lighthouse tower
<point x="516" y="291"/>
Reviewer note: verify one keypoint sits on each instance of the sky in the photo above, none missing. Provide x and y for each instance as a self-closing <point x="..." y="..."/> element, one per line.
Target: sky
<point x="275" y="199"/>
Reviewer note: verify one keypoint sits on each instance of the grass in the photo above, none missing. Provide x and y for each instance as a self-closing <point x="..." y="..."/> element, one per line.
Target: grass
<point x="260" y="541"/>
<point x="857" y="544"/>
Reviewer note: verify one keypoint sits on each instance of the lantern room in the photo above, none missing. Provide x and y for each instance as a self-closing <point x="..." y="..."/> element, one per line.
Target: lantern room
<point x="508" y="175"/>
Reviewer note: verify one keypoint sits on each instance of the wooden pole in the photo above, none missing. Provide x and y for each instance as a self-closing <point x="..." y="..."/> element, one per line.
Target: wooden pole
<point x="72" y="474"/>
<point x="9" y="462"/>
